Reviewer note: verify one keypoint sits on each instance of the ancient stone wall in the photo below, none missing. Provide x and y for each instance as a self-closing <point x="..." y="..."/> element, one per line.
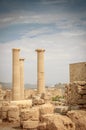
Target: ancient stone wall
<point x="77" y="71"/>
<point x="75" y="94"/>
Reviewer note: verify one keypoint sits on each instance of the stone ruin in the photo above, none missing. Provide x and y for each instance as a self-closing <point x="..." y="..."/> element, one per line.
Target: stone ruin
<point x="75" y="91"/>
<point x="75" y="94"/>
<point x="38" y="112"/>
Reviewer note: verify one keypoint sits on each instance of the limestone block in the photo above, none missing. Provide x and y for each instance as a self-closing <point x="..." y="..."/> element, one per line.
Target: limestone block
<point x="5" y="112"/>
<point x="5" y="103"/>
<point x="38" y="101"/>
<point x="58" y="122"/>
<point x="46" y="109"/>
<point x="30" y="124"/>
<point x="82" y="91"/>
<point x="0" y="121"/>
<point x="61" y="109"/>
<point x="84" y="96"/>
<point x="30" y="114"/>
<point x="82" y="101"/>
<point x="79" y="118"/>
<point x="13" y="114"/>
<point x="22" y="103"/>
<point x="42" y="126"/>
<point x="76" y="107"/>
<point x="82" y="83"/>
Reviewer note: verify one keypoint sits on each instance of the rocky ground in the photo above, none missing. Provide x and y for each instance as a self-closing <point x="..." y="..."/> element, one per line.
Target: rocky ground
<point x="44" y="112"/>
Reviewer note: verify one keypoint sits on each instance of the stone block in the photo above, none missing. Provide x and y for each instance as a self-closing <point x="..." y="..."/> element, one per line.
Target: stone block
<point x="30" y="114"/>
<point x="46" y="109"/>
<point x="84" y="97"/>
<point x="38" y="101"/>
<point x="77" y="107"/>
<point x="5" y="112"/>
<point x="22" y="104"/>
<point x="13" y="114"/>
<point x="82" y="92"/>
<point x="0" y="121"/>
<point x="61" y="109"/>
<point x="81" y="101"/>
<point x="42" y="126"/>
<point x="30" y="124"/>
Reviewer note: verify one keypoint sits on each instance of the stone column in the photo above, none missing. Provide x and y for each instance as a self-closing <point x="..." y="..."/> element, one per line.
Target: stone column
<point x="16" y="75"/>
<point x="22" y="78"/>
<point x="40" y="71"/>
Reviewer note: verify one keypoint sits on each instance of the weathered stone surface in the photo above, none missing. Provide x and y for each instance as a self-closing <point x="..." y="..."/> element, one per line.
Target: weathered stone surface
<point x="5" y="112"/>
<point x="81" y="101"/>
<point x="30" y="114"/>
<point x="76" y="93"/>
<point x="0" y="121"/>
<point x="46" y="109"/>
<point x="61" y="109"/>
<point x="22" y="103"/>
<point x="13" y="114"/>
<point x="42" y="126"/>
<point x="80" y="91"/>
<point x="58" y="122"/>
<point x="37" y="101"/>
<point x="79" y="118"/>
<point x="76" y="107"/>
<point x="30" y="124"/>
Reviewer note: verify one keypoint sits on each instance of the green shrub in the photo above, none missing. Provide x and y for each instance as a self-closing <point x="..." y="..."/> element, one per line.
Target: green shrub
<point x="57" y="98"/>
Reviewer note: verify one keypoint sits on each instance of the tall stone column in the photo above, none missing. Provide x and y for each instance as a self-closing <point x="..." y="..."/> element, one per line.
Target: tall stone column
<point x="40" y="71"/>
<point x="22" y="77"/>
<point x="16" y="75"/>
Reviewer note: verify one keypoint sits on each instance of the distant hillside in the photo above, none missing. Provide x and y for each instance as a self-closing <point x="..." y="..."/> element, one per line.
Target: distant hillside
<point x="9" y="85"/>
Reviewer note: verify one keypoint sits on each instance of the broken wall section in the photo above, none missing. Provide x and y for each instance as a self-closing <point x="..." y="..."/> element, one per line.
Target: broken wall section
<point x="75" y="94"/>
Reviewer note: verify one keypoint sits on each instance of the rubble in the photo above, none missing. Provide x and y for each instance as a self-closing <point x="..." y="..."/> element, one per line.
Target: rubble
<point x="79" y="118"/>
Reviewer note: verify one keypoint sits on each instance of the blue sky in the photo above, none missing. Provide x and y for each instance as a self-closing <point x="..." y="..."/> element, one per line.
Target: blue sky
<point x="58" y="26"/>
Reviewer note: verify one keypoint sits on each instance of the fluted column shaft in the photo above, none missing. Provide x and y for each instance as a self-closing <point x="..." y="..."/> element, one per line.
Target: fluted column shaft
<point x="22" y="77"/>
<point x="40" y="71"/>
<point x="16" y="75"/>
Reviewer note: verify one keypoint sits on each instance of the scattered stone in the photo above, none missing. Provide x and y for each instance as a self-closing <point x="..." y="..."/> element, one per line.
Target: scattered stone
<point x="79" y="118"/>
<point x="61" y="109"/>
<point x="58" y="122"/>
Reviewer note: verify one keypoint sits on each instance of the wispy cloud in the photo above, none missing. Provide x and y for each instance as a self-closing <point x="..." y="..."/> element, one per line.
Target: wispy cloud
<point x="56" y="25"/>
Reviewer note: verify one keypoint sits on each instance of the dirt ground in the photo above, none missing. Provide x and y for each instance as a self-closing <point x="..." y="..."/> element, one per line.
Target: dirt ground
<point x="9" y="126"/>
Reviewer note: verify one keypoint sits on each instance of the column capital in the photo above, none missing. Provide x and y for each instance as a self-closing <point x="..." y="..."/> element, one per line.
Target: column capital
<point x="16" y="49"/>
<point x="40" y="50"/>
